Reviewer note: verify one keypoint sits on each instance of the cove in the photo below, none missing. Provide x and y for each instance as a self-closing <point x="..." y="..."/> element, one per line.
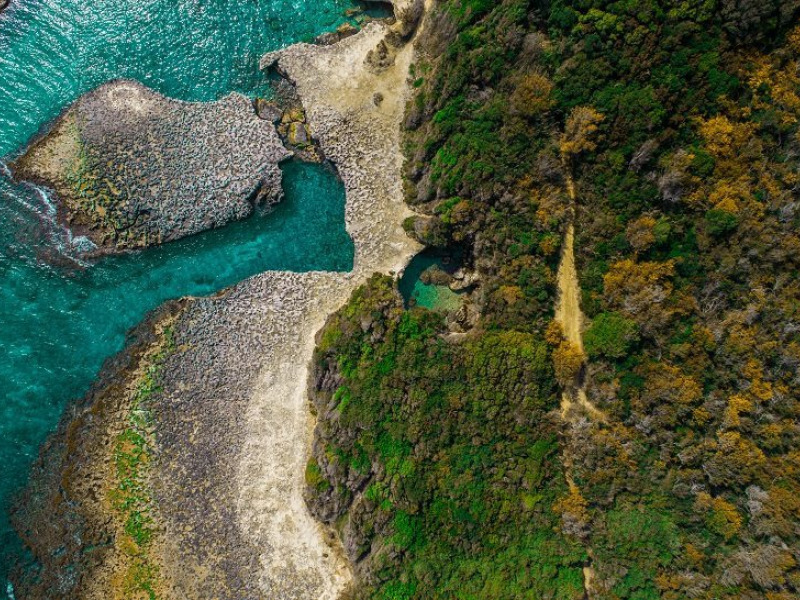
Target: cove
<point x="59" y="323"/>
<point x="416" y="292"/>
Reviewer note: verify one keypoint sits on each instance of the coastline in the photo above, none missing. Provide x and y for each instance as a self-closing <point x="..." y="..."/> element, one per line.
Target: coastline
<point x="234" y="427"/>
<point x="121" y="180"/>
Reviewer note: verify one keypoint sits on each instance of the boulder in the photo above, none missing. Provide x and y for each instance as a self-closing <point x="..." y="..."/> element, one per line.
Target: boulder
<point x="267" y="111"/>
<point x="298" y="134"/>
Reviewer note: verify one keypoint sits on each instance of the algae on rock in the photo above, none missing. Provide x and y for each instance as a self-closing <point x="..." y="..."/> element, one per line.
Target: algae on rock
<point x="132" y="168"/>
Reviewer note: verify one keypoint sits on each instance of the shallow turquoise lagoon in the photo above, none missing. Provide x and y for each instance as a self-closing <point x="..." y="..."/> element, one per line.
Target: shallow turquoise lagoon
<point x="430" y="296"/>
<point x="58" y="323"/>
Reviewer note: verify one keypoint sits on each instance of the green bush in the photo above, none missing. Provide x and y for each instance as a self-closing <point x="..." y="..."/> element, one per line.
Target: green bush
<point x="610" y="335"/>
<point x="720" y="222"/>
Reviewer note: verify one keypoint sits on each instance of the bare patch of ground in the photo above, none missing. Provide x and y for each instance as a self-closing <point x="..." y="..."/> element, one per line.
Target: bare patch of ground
<point x="575" y="404"/>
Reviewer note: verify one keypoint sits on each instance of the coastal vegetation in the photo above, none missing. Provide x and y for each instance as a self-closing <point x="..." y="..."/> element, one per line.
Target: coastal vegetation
<point x="443" y="458"/>
<point x="434" y="464"/>
<point x="131" y="497"/>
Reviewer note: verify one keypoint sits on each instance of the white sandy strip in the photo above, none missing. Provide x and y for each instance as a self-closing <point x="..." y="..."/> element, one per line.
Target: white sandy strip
<point x="300" y="559"/>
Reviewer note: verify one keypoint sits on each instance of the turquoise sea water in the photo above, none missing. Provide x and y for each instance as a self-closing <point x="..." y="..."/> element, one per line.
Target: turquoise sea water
<point x="59" y="322"/>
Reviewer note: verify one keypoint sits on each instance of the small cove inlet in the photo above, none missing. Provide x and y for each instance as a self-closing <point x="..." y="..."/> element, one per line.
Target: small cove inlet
<point x="58" y="324"/>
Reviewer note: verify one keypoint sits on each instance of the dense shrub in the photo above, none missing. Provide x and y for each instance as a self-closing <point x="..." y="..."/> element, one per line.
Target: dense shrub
<point x="679" y="123"/>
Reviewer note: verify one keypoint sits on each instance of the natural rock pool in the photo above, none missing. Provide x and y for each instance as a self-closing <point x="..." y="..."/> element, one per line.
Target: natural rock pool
<point x="58" y="323"/>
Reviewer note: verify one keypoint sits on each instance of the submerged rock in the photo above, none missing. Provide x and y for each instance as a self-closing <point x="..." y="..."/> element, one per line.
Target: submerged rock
<point x="132" y="168"/>
<point x="345" y="30"/>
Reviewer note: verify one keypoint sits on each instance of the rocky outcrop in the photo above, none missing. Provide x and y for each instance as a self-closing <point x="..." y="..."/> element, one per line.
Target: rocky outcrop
<point x="132" y="168"/>
<point x="231" y="423"/>
<point x="69" y="515"/>
<point x="334" y="37"/>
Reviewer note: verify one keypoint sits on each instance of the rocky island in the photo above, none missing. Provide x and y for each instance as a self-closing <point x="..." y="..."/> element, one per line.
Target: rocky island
<point x="132" y="168"/>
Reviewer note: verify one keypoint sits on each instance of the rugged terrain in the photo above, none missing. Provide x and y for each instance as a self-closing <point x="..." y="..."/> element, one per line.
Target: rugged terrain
<point x="621" y="178"/>
<point x="228" y="425"/>
<point x="132" y="168"/>
<point x="618" y="417"/>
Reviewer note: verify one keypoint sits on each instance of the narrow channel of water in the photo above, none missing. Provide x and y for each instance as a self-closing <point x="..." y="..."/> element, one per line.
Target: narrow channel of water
<point x="58" y="324"/>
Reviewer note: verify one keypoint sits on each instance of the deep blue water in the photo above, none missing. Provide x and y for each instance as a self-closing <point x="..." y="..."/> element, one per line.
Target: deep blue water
<point x="58" y="323"/>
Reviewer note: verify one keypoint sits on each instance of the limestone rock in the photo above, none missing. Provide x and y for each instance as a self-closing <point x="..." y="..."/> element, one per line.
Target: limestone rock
<point x="298" y="134"/>
<point x="268" y="111"/>
<point x="132" y="168"/>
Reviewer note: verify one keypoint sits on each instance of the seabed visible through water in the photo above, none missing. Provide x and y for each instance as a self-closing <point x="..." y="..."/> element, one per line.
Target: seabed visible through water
<point x="60" y="321"/>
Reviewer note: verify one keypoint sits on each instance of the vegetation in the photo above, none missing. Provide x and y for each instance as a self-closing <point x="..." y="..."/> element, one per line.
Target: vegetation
<point x="446" y="474"/>
<point x="131" y="499"/>
<point x="680" y="126"/>
<point x="610" y="335"/>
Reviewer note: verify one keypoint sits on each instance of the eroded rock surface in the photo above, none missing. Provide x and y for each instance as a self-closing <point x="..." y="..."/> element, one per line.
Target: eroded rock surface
<point x="132" y="168"/>
<point x="232" y="423"/>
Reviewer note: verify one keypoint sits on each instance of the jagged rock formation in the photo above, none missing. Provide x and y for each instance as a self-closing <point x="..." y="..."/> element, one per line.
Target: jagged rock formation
<point x="132" y="168"/>
<point x="232" y="428"/>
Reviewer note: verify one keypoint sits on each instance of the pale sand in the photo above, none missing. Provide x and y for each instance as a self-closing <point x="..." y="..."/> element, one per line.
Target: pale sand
<point x="569" y="314"/>
<point x="363" y="140"/>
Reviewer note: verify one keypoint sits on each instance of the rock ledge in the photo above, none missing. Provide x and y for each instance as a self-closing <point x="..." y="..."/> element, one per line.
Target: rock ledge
<point x="132" y="168"/>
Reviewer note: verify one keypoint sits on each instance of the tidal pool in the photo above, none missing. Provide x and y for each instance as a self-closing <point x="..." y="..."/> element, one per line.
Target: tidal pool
<point x="59" y="322"/>
<point x="416" y="292"/>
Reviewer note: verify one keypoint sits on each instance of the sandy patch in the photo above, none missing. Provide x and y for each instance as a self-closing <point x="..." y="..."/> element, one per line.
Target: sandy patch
<point x="235" y="423"/>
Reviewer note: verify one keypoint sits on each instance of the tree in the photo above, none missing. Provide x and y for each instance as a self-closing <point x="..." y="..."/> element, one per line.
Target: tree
<point x="639" y="290"/>
<point x="720" y="515"/>
<point x="580" y="131"/>
<point x="532" y="96"/>
<point x="610" y="335"/>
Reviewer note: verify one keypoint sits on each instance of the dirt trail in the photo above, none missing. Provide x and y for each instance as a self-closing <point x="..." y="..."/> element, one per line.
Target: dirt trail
<point x="569" y="315"/>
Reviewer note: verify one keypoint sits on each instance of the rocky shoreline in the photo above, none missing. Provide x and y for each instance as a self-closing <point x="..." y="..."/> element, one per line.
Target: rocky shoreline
<point x="66" y="515"/>
<point x="231" y="423"/>
<point x="132" y="168"/>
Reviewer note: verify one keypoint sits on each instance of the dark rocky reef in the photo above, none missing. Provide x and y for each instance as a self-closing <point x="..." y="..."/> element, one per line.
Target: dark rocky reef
<point x="66" y="515"/>
<point x="132" y="168"/>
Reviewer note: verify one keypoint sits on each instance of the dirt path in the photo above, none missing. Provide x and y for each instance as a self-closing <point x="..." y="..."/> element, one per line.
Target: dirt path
<point x="574" y="401"/>
<point x="569" y="315"/>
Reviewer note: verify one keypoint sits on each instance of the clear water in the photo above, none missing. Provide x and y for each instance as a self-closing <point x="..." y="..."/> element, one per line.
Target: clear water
<point x="52" y="51"/>
<point x="58" y="323"/>
<point x="433" y="297"/>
